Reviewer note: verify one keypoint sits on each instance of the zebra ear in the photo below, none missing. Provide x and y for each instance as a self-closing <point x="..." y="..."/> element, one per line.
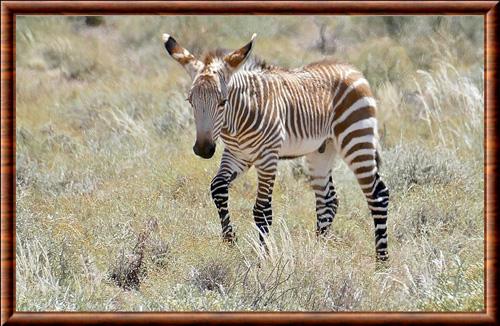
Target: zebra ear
<point x="182" y="56"/>
<point x="235" y="59"/>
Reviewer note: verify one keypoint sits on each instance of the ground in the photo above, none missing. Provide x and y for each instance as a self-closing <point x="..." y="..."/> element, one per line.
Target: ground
<point x="114" y="210"/>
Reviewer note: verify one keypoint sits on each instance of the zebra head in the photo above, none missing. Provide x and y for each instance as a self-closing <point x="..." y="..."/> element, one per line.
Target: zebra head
<point x="208" y="94"/>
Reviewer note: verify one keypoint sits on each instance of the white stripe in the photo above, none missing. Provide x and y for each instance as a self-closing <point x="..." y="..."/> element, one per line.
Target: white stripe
<point x="323" y="224"/>
<point x="362" y="124"/>
<point x="321" y="212"/>
<point x="357" y="165"/>
<point x="366" y="174"/>
<point x="377" y="209"/>
<point x="384" y="240"/>
<point x="324" y="192"/>
<point x="376" y="200"/>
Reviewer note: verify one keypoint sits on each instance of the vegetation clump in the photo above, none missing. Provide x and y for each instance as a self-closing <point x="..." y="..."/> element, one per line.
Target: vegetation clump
<point x="104" y="141"/>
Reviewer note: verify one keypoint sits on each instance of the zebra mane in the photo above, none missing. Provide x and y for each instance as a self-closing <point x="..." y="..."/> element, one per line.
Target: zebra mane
<point x="253" y="63"/>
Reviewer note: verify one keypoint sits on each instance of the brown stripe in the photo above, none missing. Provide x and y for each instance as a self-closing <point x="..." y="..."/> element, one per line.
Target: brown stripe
<point x="355" y="134"/>
<point x="318" y="188"/>
<point x="363" y="158"/>
<point x="366" y="181"/>
<point x="358" y="115"/>
<point x="355" y="94"/>
<point x="364" y="169"/>
<point x="359" y="146"/>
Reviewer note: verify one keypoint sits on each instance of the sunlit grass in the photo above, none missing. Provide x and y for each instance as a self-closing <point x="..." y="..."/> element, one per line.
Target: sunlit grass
<point x="104" y="141"/>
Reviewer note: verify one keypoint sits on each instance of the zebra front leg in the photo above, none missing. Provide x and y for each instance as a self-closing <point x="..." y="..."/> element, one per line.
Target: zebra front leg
<point x="262" y="211"/>
<point x="320" y="171"/>
<point x="230" y="168"/>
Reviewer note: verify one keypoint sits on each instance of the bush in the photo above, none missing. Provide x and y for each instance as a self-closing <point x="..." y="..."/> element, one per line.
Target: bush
<point x="383" y="60"/>
<point x="211" y="275"/>
<point x="71" y="58"/>
<point x="406" y="165"/>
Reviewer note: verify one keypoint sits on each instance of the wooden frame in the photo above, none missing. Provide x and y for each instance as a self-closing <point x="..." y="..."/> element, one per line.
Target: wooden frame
<point x="489" y="9"/>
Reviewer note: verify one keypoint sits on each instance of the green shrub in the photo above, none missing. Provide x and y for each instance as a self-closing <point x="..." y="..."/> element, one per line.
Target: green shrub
<point x="412" y="164"/>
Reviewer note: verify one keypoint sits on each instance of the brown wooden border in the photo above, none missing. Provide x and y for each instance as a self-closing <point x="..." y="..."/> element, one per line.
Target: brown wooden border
<point x="9" y="10"/>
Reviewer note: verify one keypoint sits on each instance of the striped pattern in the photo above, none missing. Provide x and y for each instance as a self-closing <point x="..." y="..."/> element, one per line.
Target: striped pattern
<point x="265" y="113"/>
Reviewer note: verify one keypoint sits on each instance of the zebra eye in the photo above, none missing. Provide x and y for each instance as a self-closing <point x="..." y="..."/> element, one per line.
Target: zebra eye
<point x="223" y="102"/>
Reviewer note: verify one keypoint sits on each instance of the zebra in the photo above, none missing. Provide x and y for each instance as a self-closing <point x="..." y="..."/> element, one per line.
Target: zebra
<point x="264" y="113"/>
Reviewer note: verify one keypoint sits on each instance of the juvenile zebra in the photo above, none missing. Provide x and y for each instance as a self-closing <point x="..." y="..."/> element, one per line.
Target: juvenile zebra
<point x="265" y="113"/>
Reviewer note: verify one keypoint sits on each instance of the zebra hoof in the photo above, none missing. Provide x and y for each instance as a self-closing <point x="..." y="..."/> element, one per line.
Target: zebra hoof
<point x="322" y="232"/>
<point x="381" y="262"/>
<point x="230" y="239"/>
<point x="382" y="256"/>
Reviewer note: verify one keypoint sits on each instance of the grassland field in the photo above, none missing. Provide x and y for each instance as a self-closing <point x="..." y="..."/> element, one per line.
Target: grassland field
<point x="114" y="210"/>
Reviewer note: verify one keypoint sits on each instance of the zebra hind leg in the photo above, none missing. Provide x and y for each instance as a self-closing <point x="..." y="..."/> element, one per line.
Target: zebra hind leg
<point x="377" y="197"/>
<point x="320" y="170"/>
<point x="378" y="202"/>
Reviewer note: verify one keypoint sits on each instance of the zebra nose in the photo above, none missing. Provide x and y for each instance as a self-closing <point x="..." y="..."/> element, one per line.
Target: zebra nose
<point x="195" y="150"/>
<point x="204" y="151"/>
<point x="210" y="150"/>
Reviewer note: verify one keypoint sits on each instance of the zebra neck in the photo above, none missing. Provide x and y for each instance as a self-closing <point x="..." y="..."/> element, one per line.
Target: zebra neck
<point x="242" y="89"/>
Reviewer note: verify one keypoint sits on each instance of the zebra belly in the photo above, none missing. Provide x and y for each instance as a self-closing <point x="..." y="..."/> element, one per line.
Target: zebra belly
<point x="291" y="149"/>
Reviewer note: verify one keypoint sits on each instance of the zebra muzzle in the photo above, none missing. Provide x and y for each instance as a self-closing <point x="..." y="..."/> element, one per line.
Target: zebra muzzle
<point x="205" y="151"/>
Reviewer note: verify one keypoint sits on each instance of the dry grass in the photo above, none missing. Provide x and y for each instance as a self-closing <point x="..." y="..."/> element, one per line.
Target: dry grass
<point x="114" y="211"/>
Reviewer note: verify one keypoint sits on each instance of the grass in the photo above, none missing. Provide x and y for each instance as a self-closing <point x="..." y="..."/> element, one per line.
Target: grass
<point x="114" y="211"/>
